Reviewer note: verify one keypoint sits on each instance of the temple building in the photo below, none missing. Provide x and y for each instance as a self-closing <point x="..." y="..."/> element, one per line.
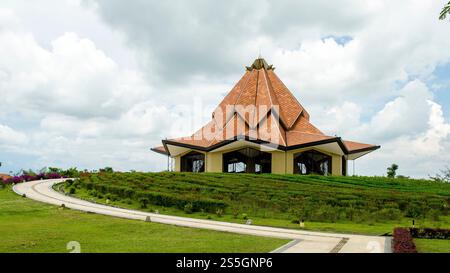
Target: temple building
<point x="260" y="127"/>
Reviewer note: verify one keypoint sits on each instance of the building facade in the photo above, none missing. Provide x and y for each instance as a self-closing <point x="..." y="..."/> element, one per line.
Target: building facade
<point x="260" y="127"/>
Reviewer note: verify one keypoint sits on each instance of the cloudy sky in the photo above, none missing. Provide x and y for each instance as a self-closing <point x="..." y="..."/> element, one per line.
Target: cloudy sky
<point x="96" y="83"/>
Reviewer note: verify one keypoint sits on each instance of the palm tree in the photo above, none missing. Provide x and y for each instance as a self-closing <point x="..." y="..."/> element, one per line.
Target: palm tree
<point x="445" y="11"/>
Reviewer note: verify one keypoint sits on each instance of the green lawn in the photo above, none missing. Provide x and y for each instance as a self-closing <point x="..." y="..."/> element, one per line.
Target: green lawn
<point x="364" y="205"/>
<point x="30" y="226"/>
<point x="432" y="245"/>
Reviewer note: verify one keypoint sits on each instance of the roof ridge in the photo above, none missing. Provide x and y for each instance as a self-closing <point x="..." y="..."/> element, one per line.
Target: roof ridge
<point x="288" y="126"/>
<point x="242" y="89"/>
<point x="271" y="92"/>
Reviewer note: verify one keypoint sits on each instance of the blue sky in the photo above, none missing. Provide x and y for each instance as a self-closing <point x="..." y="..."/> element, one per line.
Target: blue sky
<point x="96" y="83"/>
<point x="441" y="78"/>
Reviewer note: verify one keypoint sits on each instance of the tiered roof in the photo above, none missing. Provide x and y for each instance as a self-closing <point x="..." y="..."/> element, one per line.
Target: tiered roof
<point x="261" y="109"/>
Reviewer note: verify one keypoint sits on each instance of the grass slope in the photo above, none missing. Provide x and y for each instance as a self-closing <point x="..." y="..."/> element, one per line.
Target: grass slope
<point x="29" y="226"/>
<point x="368" y="205"/>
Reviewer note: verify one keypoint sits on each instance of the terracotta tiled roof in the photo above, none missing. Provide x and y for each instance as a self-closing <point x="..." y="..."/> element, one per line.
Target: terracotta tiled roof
<point x="355" y="146"/>
<point x="260" y="108"/>
<point x="160" y="150"/>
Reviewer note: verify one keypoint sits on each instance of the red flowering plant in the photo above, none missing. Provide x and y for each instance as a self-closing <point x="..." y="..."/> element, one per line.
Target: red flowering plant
<point x="403" y="241"/>
<point x="26" y="176"/>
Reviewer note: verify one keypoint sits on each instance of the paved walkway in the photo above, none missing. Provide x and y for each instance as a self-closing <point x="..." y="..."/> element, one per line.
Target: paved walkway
<point x="303" y="241"/>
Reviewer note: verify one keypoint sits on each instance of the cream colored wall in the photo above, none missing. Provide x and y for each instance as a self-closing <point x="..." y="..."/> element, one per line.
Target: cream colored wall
<point x="177" y="163"/>
<point x="214" y="162"/>
<point x="278" y="162"/>
<point x="336" y="164"/>
<point x="335" y="161"/>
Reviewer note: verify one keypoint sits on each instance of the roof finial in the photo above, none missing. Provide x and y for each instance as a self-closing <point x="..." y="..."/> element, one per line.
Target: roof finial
<point x="260" y="63"/>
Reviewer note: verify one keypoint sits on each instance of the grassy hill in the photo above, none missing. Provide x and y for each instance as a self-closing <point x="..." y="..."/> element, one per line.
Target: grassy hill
<point x="371" y="205"/>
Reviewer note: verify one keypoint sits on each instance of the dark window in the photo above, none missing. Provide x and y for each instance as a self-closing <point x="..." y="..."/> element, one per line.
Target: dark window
<point x="312" y="162"/>
<point x="247" y="160"/>
<point x="193" y="162"/>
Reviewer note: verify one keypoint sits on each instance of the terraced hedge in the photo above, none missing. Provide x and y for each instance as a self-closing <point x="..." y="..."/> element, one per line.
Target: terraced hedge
<point x="319" y="198"/>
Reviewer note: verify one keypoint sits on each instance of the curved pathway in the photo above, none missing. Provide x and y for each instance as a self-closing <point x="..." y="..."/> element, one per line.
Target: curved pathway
<point x="303" y="241"/>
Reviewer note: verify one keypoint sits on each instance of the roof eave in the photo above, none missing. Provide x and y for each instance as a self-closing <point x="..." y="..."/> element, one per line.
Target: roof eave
<point x="159" y="151"/>
<point x="371" y="148"/>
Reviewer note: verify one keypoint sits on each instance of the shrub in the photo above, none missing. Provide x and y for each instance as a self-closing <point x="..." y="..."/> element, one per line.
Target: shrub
<point x="89" y="186"/>
<point x="72" y="190"/>
<point x="434" y="214"/>
<point x="219" y="212"/>
<point x="129" y="193"/>
<point x="402" y="241"/>
<point x="430" y="233"/>
<point x="69" y="182"/>
<point x="188" y="208"/>
<point x="414" y="211"/>
<point x="244" y="216"/>
<point x="235" y="212"/>
<point x="143" y="202"/>
<point x="387" y="214"/>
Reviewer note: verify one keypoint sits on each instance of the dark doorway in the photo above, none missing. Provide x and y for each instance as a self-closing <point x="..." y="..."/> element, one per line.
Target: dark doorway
<point x="344" y="166"/>
<point x="193" y="162"/>
<point x="247" y="160"/>
<point x="312" y="162"/>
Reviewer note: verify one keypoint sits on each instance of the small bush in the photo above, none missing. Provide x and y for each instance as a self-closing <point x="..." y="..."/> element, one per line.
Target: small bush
<point x="244" y="216"/>
<point x="235" y="212"/>
<point x="219" y="212"/>
<point x="72" y="190"/>
<point x="143" y="202"/>
<point x="69" y="182"/>
<point x="188" y="208"/>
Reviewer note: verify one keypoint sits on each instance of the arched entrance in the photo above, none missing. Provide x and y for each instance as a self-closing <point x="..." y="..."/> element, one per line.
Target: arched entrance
<point x="247" y="160"/>
<point x="312" y="162"/>
<point x="193" y="162"/>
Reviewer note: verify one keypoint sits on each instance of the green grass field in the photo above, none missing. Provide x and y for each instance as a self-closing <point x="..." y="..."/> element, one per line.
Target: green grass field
<point x="30" y="226"/>
<point x="432" y="245"/>
<point x="364" y="205"/>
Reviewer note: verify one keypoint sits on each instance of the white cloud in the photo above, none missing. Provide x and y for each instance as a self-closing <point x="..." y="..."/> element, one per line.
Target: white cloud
<point x="79" y="97"/>
<point x="411" y="129"/>
<point x="9" y="136"/>
<point x="74" y="77"/>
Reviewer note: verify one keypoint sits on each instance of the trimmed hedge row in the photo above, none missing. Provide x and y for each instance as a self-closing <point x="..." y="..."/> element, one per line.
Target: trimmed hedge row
<point x="430" y="233"/>
<point x="155" y="198"/>
<point x="166" y="200"/>
<point x="403" y="241"/>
